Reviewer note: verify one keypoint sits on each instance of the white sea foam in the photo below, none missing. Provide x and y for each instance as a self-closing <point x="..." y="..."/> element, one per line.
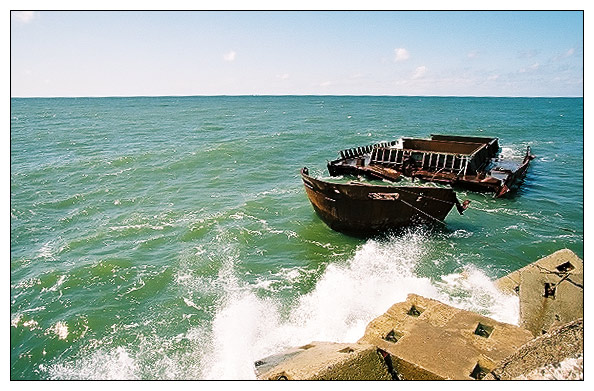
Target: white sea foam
<point x="151" y="357"/>
<point x="473" y="290"/>
<point x="137" y="286"/>
<point x="247" y="327"/>
<point x="57" y="285"/>
<point x="28" y="283"/>
<point x="345" y="299"/>
<point x="31" y="324"/>
<point x="571" y="368"/>
<point x="100" y="365"/>
<point x="47" y="250"/>
<point x="60" y="329"/>
<point x="139" y="226"/>
<point x="14" y="322"/>
<point x="513" y="153"/>
<point x="190" y="303"/>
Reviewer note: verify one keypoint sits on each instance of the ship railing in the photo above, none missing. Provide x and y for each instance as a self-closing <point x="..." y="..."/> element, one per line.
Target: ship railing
<point x="352" y="153"/>
<point x="431" y="161"/>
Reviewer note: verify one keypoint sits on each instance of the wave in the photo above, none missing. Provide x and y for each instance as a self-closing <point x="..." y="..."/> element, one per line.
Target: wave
<point x="251" y="321"/>
<point x="346" y="298"/>
<point x="248" y="325"/>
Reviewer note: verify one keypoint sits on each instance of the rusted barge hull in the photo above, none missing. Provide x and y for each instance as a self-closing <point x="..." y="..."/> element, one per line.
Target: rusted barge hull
<point x="461" y="161"/>
<point x="361" y="209"/>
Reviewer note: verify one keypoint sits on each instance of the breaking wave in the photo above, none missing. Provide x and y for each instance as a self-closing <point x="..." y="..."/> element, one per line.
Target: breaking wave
<point x="248" y="326"/>
<point x="345" y="299"/>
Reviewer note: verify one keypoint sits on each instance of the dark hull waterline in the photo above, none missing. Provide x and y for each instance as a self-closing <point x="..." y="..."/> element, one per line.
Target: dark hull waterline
<point x="362" y="209"/>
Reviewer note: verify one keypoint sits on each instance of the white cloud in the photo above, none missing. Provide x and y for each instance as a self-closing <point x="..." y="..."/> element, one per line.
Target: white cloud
<point x="419" y="72"/>
<point x="472" y="54"/>
<point x="284" y="76"/>
<point x="401" y="54"/>
<point x="532" y="67"/>
<point x="23" y="16"/>
<point x="230" y="56"/>
<point x="565" y="54"/>
<point x="493" y="77"/>
<point x="528" y="53"/>
<point x="325" y="84"/>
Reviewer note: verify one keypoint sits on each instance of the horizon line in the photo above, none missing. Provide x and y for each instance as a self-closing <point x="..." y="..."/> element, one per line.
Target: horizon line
<point x="295" y="95"/>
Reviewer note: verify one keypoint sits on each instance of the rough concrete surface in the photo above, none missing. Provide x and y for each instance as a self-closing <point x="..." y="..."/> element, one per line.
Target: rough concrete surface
<point x="325" y="361"/>
<point x="551" y="291"/>
<point x="547" y="350"/>
<point x="431" y="340"/>
<point x="424" y="339"/>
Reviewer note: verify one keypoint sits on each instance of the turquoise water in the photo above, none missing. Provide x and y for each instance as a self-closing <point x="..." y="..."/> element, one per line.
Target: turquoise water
<point x="171" y="238"/>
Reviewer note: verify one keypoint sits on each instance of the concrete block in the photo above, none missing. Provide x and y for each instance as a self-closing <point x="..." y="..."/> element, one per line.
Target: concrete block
<point x="561" y="343"/>
<point x="429" y="340"/>
<point x="325" y="361"/>
<point x="551" y="291"/>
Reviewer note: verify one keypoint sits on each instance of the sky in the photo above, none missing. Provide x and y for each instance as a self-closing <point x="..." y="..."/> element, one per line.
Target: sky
<point x="420" y="53"/>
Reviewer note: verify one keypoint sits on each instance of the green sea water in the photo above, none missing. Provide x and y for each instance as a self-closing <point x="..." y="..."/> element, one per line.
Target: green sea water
<point x="171" y="237"/>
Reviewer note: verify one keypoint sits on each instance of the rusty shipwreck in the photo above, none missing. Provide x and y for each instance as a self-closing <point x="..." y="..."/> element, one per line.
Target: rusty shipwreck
<point x="465" y="162"/>
<point x="360" y="209"/>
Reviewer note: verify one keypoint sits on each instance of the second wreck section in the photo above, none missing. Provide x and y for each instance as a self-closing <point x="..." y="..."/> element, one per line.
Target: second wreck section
<point x="461" y="161"/>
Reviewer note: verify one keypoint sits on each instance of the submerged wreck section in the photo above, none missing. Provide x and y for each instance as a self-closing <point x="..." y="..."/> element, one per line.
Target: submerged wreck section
<point x="461" y="161"/>
<point x="424" y="339"/>
<point x="360" y="209"/>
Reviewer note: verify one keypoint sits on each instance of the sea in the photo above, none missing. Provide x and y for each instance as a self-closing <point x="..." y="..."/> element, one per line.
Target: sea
<point x="171" y="237"/>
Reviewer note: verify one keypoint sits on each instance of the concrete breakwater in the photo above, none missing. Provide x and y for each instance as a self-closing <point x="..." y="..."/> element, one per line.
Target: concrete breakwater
<point x="424" y="339"/>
